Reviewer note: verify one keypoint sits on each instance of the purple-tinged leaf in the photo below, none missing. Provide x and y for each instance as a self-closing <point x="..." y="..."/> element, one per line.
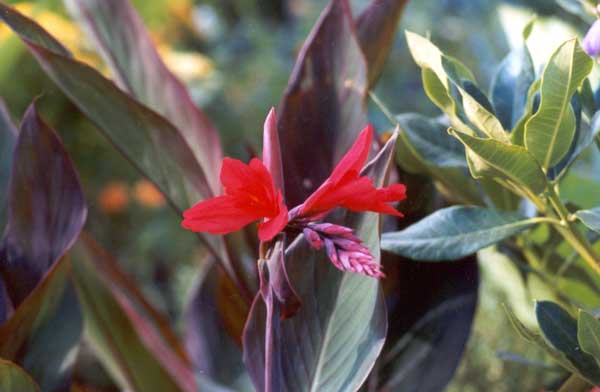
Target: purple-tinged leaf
<point x="272" y="150"/>
<point x="14" y="379"/>
<point x="435" y="305"/>
<point x="333" y="340"/>
<point x="44" y="332"/>
<point x="215" y="317"/>
<point x="150" y="142"/>
<point x="119" y="35"/>
<point x="129" y="344"/>
<point x="376" y="28"/>
<point x="323" y="108"/>
<point x="8" y="135"/>
<point x="46" y="207"/>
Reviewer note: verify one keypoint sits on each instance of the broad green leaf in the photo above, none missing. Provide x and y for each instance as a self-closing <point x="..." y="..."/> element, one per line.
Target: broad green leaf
<point x="44" y="332"/>
<point x="517" y="136"/>
<point x="150" y="142"/>
<point x="536" y="338"/>
<point x="127" y="343"/>
<point x="494" y="159"/>
<point x="316" y="348"/>
<point x="560" y="330"/>
<point x="499" y="196"/>
<point x="549" y="132"/>
<point x="430" y="139"/>
<point x="15" y="379"/>
<point x="118" y="34"/>
<point x="588" y="334"/>
<point x="590" y="218"/>
<point x="424" y="147"/>
<point x="584" y="136"/>
<point x="454" y="232"/>
<point x="510" y="86"/>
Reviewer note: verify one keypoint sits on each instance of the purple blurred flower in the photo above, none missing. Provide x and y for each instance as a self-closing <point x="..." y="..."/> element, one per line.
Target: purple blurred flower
<point x="591" y="42"/>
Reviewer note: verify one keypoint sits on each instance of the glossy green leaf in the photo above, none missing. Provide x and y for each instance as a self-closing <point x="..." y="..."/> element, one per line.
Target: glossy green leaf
<point x="510" y="86"/>
<point x="424" y="147"/>
<point x="550" y="131"/>
<point x="494" y="159"/>
<point x="517" y="136"/>
<point x="430" y="139"/>
<point x="317" y="347"/>
<point x="560" y="329"/>
<point x="44" y="332"/>
<point x="15" y="379"/>
<point x="584" y="137"/>
<point x="127" y="343"/>
<point x="588" y="334"/>
<point x="453" y="232"/>
<point x="150" y="142"/>
<point x="119" y="36"/>
<point x="590" y="218"/>
<point x="536" y="338"/>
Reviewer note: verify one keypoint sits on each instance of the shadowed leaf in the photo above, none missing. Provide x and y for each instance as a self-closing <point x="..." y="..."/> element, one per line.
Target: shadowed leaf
<point x="560" y="329"/>
<point x="130" y="345"/>
<point x="15" y="379"/>
<point x="215" y="318"/>
<point x="119" y="35"/>
<point x="43" y="334"/>
<point x="376" y="29"/>
<point x="8" y="135"/>
<point x="46" y="208"/>
<point x="437" y="304"/>
<point x="323" y="108"/>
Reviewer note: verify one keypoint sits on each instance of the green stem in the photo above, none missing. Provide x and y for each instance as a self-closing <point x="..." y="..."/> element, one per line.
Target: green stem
<point x="572" y="234"/>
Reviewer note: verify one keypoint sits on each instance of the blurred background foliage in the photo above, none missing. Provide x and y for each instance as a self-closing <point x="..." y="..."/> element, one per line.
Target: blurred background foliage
<point x="236" y="57"/>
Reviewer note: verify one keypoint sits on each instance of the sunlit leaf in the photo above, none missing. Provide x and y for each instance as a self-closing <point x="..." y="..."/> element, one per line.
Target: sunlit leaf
<point x="588" y="334"/>
<point x="15" y="379"/>
<point x="453" y="232"/>
<point x="550" y="131"/>
<point x="590" y="218"/>
<point x="150" y="142"/>
<point x="494" y="159"/>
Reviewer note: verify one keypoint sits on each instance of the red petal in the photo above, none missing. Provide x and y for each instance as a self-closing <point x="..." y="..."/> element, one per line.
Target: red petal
<point x="219" y="215"/>
<point x="355" y="158"/>
<point x="273" y="226"/>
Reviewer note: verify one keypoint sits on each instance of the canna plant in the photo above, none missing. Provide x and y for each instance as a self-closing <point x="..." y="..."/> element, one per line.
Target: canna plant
<point x="502" y="159"/>
<point x="292" y="320"/>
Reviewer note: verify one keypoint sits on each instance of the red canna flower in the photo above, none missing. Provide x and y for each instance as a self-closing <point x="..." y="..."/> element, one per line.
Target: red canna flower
<point x="249" y="196"/>
<point x="346" y="188"/>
